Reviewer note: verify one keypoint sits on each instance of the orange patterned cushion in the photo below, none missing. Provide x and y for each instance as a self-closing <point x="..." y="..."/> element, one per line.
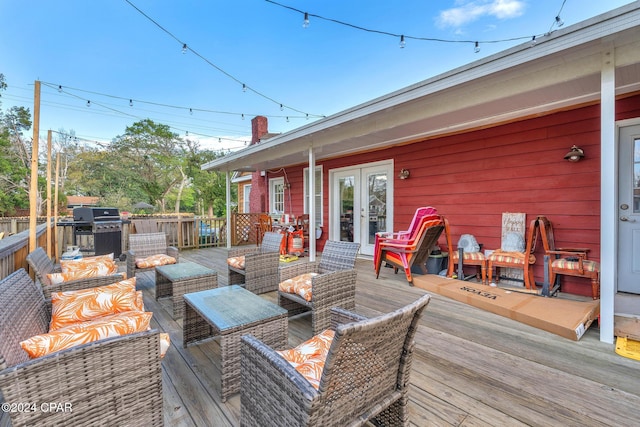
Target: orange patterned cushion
<point x="236" y="262"/>
<point x="85" y="332"/>
<point x="79" y="306"/>
<point x="510" y="257"/>
<point x="82" y="269"/>
<point x="84" y="263"/>
<point x="155" y="261"/>
<point x="300" y="285"/>
<point x="469" y="256"/>
<point x="308" y="358"/>
<point x="566" y="264"/>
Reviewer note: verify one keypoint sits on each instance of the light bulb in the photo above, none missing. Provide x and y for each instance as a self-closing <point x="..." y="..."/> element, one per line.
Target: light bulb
<point x="244" y="87"/>
<point x="402" y="42"/>
<point x="281" y="107"/>
<point x="305" y="23"/>
<point x="533" y="41"/>
<point x="184" y="48"/>
<point x="559" y="22"/>
<point x="476" y="49"/>
<point x="131" y="103"/>
<point x="88" y="103"/>
<point x="60" y="88"/>
<point x="242" y="116"/>
<point x="287" y="119"/>
<point x="191" y="111"/>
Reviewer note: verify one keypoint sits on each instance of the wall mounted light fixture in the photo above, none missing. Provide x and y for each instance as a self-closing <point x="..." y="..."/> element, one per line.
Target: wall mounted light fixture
<point x="404" y="174"/>
<point x="575" y="154"/>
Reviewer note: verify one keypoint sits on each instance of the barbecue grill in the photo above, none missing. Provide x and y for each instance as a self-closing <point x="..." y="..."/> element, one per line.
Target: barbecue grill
<point x="103" y="224"/>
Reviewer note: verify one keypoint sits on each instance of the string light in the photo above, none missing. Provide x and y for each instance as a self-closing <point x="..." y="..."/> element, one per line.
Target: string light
<point x="177" y="107"/>
<point x="281" y="107"/>
<point x="184" y="48"/>
<point x="402" y="42"/>
<point x="476" y="49"/>
<point x="131" y="103"/>
<point x="244" y="87"/>
<point x="191" y="111"/>
<point x="305" y="22"/>
<point x="533" y="41"/>
<point x="559" y="22"/>
<point x="88" y="103"/>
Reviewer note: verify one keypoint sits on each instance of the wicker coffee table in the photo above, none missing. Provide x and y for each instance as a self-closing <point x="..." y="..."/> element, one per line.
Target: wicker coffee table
<point x="175" y="280"/>
<point x="230" y="312"/>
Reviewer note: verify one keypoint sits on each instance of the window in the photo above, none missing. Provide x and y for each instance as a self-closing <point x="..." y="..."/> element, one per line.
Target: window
<point x="246" y="208"/>
<point x="318" y="195"/>
<point x="276" y="195"/>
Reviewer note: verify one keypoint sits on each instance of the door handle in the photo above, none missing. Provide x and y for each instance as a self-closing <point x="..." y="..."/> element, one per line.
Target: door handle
<point x="627" y="219"/>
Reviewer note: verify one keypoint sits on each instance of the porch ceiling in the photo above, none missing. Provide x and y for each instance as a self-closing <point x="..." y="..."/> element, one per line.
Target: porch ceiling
<point x="561" y="71"/>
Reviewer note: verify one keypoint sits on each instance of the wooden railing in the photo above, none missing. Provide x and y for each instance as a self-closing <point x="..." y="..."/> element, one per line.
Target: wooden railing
<point x="14" y="249"/>
<point x="182" y="232"/>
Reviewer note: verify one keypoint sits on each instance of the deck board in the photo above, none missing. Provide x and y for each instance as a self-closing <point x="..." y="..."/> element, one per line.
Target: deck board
<point x="471" y="367"/>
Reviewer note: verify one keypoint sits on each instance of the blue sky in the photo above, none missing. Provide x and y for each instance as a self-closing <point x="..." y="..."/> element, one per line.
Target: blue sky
<point x="108" y="52"/>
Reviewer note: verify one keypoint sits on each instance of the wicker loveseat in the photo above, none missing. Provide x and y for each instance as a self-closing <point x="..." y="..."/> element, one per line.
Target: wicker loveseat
<point x="114" y="381"/>
<point x="144" y="245"/>
<point x="42" y="265"/>
<point x="260" y="272"/>
<point x="365" y="375"/>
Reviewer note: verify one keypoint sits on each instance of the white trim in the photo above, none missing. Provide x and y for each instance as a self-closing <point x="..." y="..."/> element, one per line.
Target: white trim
<point x="305" y="206"/>
<point x="272" y="184"/>
<point x="608" y="195"/>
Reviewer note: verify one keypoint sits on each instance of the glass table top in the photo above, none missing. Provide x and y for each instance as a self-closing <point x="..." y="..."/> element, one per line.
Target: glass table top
<point x="184" y="270"/>
<point x="229" y="307"/>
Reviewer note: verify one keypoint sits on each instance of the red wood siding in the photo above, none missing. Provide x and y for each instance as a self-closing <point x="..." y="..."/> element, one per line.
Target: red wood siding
<point x="472" y="178"/>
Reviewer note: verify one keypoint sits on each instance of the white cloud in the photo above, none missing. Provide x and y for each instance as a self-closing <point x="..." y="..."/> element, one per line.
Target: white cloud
<point x="469" y="11"/>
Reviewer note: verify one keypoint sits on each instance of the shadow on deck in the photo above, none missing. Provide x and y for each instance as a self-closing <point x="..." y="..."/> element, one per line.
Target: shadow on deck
<point x="470" y="368"/>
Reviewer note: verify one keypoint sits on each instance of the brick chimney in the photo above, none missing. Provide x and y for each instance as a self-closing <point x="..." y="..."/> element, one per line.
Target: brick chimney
<point x="258" y="200"/>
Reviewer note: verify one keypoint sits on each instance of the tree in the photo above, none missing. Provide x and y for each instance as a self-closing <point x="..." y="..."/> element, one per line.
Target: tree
<point x="154" y="155"/>
<point x="15" y="157"/>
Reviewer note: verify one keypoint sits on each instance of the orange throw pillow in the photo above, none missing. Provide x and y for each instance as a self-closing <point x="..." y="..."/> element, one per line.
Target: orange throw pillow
<point x="308" y="358"/>
<point x="71" y="307"/>
<point x="85" y="332"/>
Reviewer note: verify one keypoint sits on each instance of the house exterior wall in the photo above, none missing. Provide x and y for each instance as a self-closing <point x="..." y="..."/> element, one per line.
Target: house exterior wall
<point x="472" y="178"/>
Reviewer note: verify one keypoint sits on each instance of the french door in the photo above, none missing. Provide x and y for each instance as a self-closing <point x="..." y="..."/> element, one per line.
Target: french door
<point x="361" y="203"/>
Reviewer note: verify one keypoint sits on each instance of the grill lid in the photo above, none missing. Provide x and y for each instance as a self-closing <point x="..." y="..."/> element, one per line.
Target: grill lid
<point x="93" y="214"/>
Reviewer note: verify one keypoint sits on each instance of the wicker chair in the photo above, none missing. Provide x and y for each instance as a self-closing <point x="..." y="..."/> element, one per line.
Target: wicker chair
<point x="42" y="265"/>
<point x="115" y="381"/>
<point x="335" y="285"/>
<point x="365" y="376"/>
<point x="144" y="245"/>
<point x="260" y="273"/>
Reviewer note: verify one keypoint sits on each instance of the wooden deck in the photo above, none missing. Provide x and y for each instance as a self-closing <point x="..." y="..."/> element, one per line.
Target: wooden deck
<point x="472" y="368"/>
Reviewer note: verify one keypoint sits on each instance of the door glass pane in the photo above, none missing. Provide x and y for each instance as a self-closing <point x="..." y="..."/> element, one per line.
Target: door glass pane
<point x="346" y="208"/>
<point x="377" y="204"/>
<point x="636" y="176"/>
